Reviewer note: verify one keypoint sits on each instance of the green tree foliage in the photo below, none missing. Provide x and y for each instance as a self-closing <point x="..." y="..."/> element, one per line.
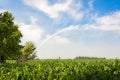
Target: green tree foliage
<point x="28" y="49"/>
<point x="9" y="36"/>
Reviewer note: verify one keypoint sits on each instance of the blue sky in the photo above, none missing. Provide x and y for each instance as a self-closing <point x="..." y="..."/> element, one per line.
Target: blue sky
<point x="68" y="28"/>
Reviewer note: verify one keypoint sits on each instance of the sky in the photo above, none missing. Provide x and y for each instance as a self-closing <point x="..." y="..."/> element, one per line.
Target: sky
<point x="68" y="28"/>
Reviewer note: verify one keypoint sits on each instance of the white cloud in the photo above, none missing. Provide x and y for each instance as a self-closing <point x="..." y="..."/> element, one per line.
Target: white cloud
<point x="2" y="10"/>
<point x="31" y="32"/>
<point x="54" y="10"/>
<point x="33" y="20"/>
<point x="109" y="22"/>
<point x="90" y="3"/>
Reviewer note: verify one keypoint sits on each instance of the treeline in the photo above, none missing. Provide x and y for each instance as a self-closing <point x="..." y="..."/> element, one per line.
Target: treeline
<point x="86" y="57"/>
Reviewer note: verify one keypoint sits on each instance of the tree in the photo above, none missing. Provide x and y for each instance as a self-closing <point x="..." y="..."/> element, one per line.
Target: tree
<point x="9" y="36"/>
<point x="28" y="49"/>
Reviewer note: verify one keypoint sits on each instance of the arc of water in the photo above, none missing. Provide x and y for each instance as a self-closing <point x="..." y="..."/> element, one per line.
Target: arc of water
<point x="58" y="32"/>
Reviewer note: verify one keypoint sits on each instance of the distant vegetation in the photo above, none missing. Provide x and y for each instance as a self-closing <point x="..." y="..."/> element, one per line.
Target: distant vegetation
<point x="85" y="57"/>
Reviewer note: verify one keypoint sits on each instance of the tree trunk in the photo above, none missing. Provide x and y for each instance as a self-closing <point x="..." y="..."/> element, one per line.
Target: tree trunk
<point x="2" y="59"/>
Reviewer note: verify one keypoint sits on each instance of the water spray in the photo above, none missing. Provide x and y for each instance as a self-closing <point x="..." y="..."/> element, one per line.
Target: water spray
<point x="70" y="28"/>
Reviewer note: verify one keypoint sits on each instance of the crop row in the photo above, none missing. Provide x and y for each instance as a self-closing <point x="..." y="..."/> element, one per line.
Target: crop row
<point x="61" y="70"/>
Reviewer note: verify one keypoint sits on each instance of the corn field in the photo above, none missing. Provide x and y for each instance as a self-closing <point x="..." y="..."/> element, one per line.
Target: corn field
<point x="61" y="70"/>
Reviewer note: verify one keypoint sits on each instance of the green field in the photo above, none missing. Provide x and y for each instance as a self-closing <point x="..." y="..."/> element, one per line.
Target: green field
<point x="61" y="70"/>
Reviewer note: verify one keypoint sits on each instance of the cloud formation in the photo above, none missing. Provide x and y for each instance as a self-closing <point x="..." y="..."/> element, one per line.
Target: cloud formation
<point x="2" y="10"/>
<point x="31" y="32"/>
<point x="109" y="22"/>
<point x="54" y="10"/>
